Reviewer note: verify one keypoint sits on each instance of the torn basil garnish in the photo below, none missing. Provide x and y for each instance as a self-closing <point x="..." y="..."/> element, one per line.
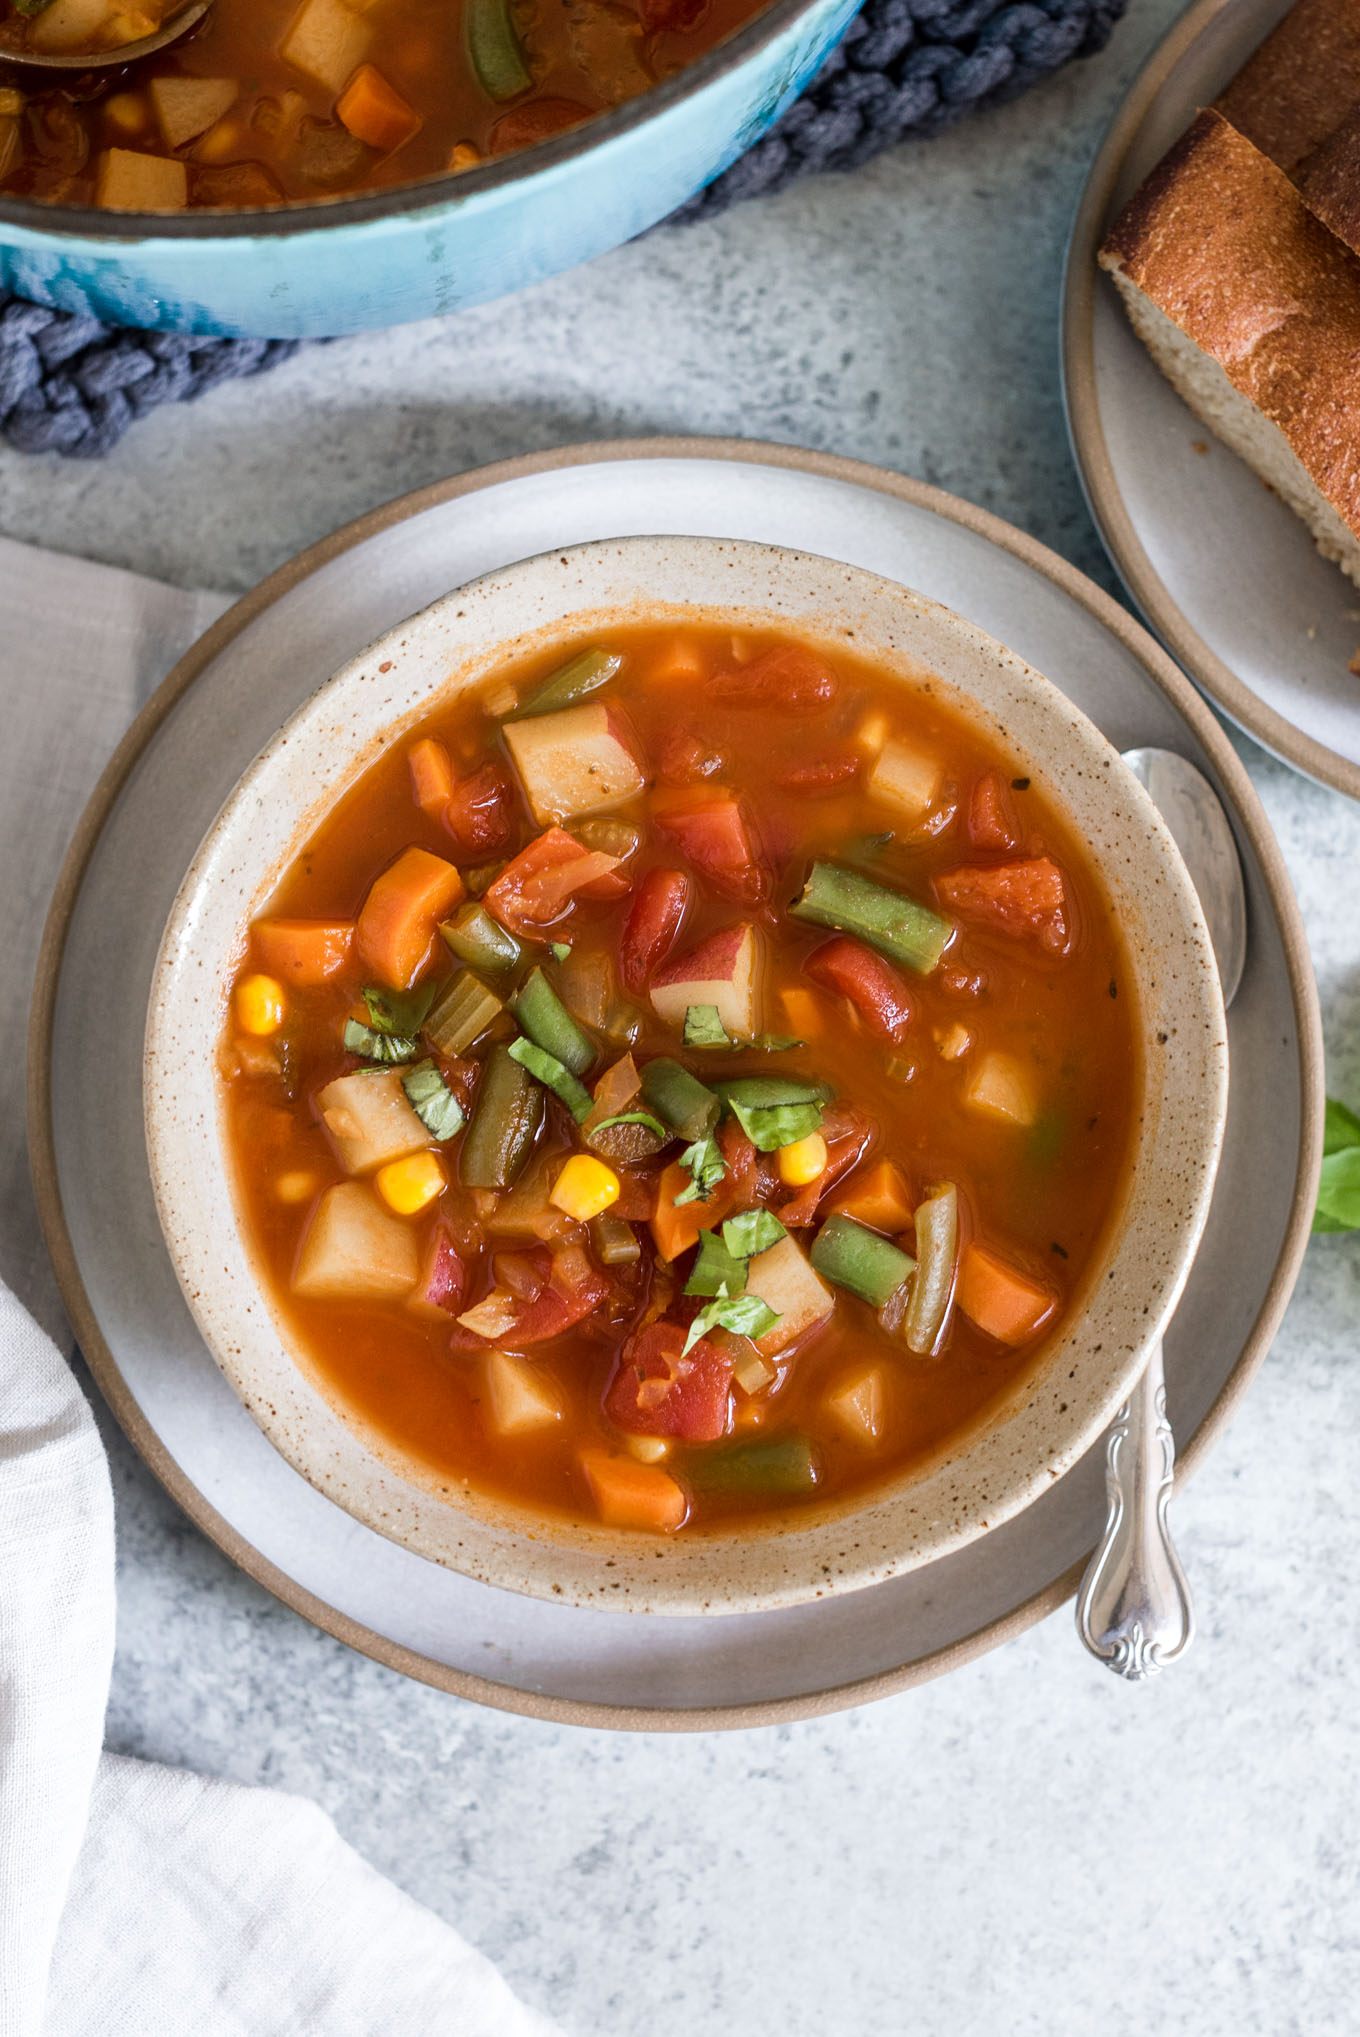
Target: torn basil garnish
<point x="554" y="1075"/>
<point x="752" y="1231"/>
<point x="704" y="1028"/>
<point x="746" y="1315"/>
<point x="399" y="1012"/>
<point x="388" y="1049"/>
<point x="433" y="1102"/>
<point x="704" y="1164"/>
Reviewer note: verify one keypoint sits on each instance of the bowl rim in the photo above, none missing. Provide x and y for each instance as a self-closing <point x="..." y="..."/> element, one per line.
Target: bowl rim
<point x="140" y="736"/>
<point x="311" y="215"/>
<point x="984" y="1473"/>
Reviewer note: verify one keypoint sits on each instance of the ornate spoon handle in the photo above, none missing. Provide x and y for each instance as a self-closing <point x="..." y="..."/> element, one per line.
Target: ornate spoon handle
<point x="1133" y="1610"/>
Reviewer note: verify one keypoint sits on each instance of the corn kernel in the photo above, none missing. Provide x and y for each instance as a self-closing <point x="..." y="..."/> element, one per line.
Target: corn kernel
<point x="407" y="1186"/>
<point x="584" y="1188"/>
<point x="295" y="1187"/>
<point x="803" y="1161"/>
<point x="259" y="1005"/>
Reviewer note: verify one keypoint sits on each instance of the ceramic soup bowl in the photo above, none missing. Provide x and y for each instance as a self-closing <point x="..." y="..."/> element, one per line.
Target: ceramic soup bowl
<point x="1080" y="1377"/>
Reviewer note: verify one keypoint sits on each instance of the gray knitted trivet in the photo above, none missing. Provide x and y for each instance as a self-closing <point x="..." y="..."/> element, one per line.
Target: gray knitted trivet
<point x="72" y="385"/>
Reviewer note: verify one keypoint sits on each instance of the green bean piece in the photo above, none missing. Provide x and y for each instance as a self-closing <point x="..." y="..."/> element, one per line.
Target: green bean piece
<point x="584" y="674"/>
<point x="461" y="1015"/>
<point x="550" y="1025"/>
<point x="853" y="1256"/>
<point x="773" y="1464"/>
<point x="506" y="1116"/>
<point x="494" y="49"/>
<point x="554" y="1075"/>
<point x="679" y="1098"/>
<point x="476" y="938"/>
<point x="895" y="925"/>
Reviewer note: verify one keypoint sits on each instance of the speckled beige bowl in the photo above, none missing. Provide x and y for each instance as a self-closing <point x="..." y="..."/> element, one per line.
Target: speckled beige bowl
<point x="1082" y="1375"/>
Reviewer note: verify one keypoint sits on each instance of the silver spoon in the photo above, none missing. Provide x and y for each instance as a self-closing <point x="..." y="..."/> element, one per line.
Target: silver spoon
<point x="1134" y="1611"/>
<point x="125" y="53"/>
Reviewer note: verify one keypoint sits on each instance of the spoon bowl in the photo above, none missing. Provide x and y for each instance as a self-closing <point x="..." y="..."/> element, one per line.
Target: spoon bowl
<point x="169" y="31"/>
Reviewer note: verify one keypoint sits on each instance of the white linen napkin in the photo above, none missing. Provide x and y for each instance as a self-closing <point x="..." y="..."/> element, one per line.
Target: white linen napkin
<point x="137" y="1899"/>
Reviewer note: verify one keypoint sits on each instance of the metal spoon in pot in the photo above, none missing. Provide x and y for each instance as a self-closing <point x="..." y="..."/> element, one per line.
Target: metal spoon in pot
<point x="1134" y="1611"/>
<point x="169" y="31"/>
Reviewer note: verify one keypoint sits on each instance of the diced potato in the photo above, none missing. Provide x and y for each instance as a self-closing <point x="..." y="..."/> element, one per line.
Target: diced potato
<point x="369" y="1120"/>
<point x="224" y="140"/>
<point x="129" y="181"/>
<point x="785" y="1282"/>
<point x="721" y="971"/>
<point x="326" y="41"/>
<point x="1004" y="1088"/>
<point x="953" y="1041"/>
<point x="907" y="780"/>
<point x="186" y="107"/>
<point x="354" y="1250"/>
<point x="858" y="1401"/>
<point x="521" y="1397"/>
<point x="573" y="762"/>
<point x="750" y="1371"/>
<point x="647" y="1449"/>
<point x="71" y="25"/>
<point x="124" y="113"/>
<point x="872" y="732"/>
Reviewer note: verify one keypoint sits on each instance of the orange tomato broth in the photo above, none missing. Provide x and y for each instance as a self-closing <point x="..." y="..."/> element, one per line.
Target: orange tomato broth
<point x="1039" y="1198"/>
<point x="290" y="133"/>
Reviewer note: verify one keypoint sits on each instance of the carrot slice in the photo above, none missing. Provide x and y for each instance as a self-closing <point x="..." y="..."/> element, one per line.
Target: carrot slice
<point x="629" y="1495"/>
<point x="1005" y="1303"/>
<point x="375" y="112"/>
<point x="303" y="952"/>
<point x="404" y="906"/>
<point x="675" y="1230"/>
<point x="878" y="1197"/>
<point x="431" y="776"/>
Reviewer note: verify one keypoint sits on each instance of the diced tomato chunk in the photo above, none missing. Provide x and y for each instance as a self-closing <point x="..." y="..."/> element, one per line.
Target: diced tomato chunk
<point x="550" y="1312"/>
<point x="991" y="816"/>
<point x="1026" y="900"/>
<point x="538" y="121"/>
<point x="709" y="829"/>
<point x="479" y="813"/>
<point x="790" y="678"/>
<point x="847" y="1132"/>
<point x="660" y="17"/>
<point x="872" y="985"/>
<point x="654" y="920"/>
<point x="536" y="887"/>
<point x="657" y="1391"/>
<point x="683" y="758"/>
<point x="820" y="776"/>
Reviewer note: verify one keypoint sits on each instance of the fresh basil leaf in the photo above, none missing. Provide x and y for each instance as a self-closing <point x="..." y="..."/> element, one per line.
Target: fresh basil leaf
<point x="401" y="1013"/>
<point x="704" y="1163"/>
<point x="752" y="1231"/>
<point x="635" y="1117"/>
<point x="1340" y="1128"/>
<point x="780" y="1125"/>
<point x="715" y="1270"/>
<point x="763" y="1092"/>
<point x="433" y="1102"/>
<point x="560" y="950"/>
<point x="704" y="1028"/>
<point x="554" y="1075"/>
<point x="388" y="1048"/>
<point x="1338" y="1202"/>
<point x="746" y="1315"/>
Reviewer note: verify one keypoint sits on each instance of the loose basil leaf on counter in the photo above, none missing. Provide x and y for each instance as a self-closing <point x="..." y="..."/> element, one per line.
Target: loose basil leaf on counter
<point x="1338" y="1202"/>
<point x="401" y="1013"/>
<point x="704" y="1163"/>
<point x="388" y="1048"/>
<point x="554" y="1075"/>
<point x="716" y="1270"/>
<point x="635" y="1117"/>
<point x="746" y="1315"/>
<point x="433" y="1102"/>
<point x="752" y="1231"/>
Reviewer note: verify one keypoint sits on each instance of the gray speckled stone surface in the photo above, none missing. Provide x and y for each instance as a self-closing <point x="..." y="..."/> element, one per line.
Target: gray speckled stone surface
<point x="1027" y="1846"/>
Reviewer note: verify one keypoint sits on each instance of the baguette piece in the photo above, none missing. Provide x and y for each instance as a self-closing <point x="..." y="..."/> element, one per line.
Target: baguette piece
<point x="1251" y="309"/>
<point x="1302" y="83"/>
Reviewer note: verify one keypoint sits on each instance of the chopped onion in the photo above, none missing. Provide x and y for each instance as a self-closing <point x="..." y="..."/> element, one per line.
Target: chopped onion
<point x="493" y="1317"/>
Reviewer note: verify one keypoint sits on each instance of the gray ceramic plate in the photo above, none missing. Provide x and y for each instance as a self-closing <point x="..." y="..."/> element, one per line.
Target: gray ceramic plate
<point x="1226" y="575"/>
<point x="164" y="786"/>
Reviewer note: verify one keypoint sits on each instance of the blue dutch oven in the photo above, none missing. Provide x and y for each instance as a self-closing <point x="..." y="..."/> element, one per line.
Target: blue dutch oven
<point x="349" y="264"/>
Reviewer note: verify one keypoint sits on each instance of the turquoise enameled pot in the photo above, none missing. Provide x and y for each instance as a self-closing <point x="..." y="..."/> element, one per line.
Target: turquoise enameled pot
<point x="349" y="264"/>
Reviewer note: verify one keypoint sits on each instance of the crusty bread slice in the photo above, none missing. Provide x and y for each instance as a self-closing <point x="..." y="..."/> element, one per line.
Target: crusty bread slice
<point x="1301" y="84"/>
<point x="1251" y="309"/>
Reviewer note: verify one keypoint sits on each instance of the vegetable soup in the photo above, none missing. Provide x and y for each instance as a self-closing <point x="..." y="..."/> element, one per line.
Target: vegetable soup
<point x="686" y="1079"/>
<point x="272" y="100"/>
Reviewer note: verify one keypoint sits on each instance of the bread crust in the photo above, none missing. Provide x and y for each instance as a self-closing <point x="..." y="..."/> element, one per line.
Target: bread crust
<point x="1302" y="83"/>
<point x="1219" y="239"/>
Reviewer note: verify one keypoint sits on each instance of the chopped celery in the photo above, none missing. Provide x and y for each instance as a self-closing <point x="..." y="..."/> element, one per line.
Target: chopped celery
<point x="554" y="1075"/>
<point x="506" y="1117"/>
<point x="497" y="59"/>
<point x="608" y="837"/>
<point x="461" y="1016"/>
<point x="680" y="1098"/>
<point x="550" y="1025"/>
<point x="853" y="1256"/>
<point x="477" y="939"/>
<point x="614" y="1240"/>
<point x="773" y="1464"/>
<point x="932" y="1289"/>
<point x="898" y="926"/>
<point x="592" y="669"/>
